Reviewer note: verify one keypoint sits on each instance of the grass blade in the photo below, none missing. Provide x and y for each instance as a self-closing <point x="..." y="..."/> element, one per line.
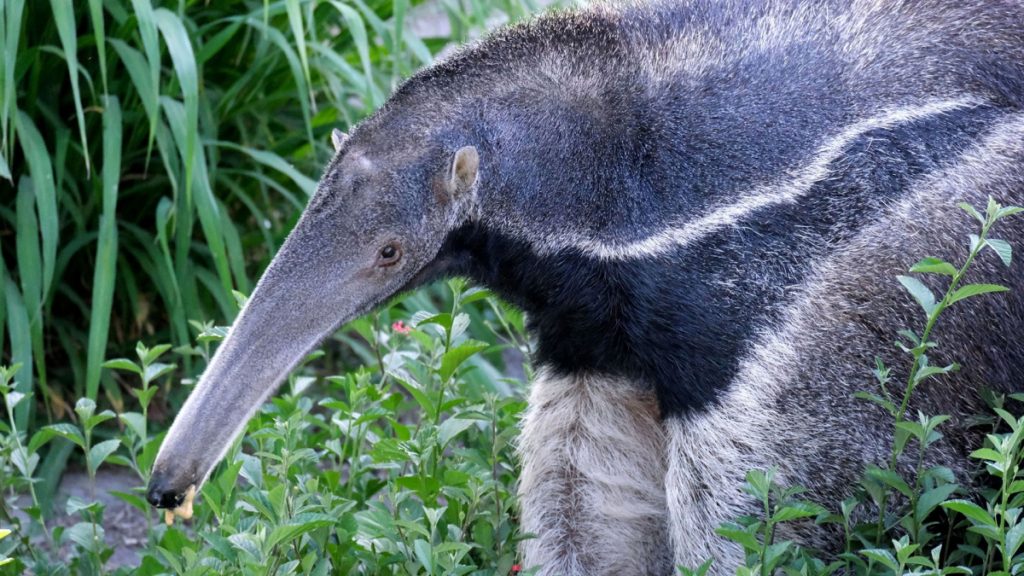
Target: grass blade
<point x="236" y="256"/>
<point x="100" y="32"/>
<point x="278" y="39"/>
<point x="39" y="167"/>
<point x="212" y="46"/>
<point x="357" y="28"/>
<point x="12" y="12"/>
<point x="146" y="20"/>
<point x="299" y="31"/>
<point x="3" y="301"/>
<point x="105" y="272"/>
<point x="184" y="60"/>
<point x="31" y="274"/>
<point x="64" y="18"/>
<point x="138" y="71"/>
<point x="205" y="204"/>
<point x="21" y="348"/>
<point x="271" y="160"/>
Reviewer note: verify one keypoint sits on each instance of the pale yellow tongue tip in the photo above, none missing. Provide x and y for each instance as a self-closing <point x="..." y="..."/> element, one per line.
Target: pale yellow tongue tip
<point x="184" y="511"/>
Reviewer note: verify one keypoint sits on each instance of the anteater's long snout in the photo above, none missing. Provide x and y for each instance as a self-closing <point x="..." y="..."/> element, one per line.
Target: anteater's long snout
<point x="299" y="301"/>
<point x="269" y="338"/>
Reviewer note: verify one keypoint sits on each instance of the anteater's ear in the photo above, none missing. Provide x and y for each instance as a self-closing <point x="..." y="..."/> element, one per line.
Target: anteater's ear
<point x="464" y="170"/>
<point x="338" y="138"/>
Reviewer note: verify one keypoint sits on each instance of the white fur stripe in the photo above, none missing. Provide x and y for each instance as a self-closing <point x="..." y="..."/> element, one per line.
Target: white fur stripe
<point x="798" y="185"/>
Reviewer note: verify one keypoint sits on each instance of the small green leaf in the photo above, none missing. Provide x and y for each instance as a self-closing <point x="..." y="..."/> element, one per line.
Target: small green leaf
<point x="774" y="554"/>
<point x="135" y="422"/>
<point x="929" y="371"/>
<point x="85" y="408"/>
<point x="473" y="294"/>
<point x="930" y="499"/>
<point x="759" y="483"/>
<point x="297" y="526"/>
<point x="1002" y="248"/>
<point x="739" y="535"/>
<point x="424" y="401"/>
<point x="975" y="290"/>
<point x="920" y="292"/>
<point x="1014" y="539"/>
<point x="915" y="429"/>
<point x="156" y="370"/>
<point x="123" y="364"/>
<point x="149" y="355"/>
<point x="883" y="557"/>
<point x="25" y="463"/>
<point x="87" y="535"/>
<point x="1008" y="211"/>
<point x="891" y="479"/>
<point x="797" y="510"/>
<point x="75" y="505"/>
<point x="13" y="399"/>
<point x="933" y="265"/>
<point x="972" y="211"/>
<point x="213" y="334"/>
<point x="422" y="550"/>
<point x="454" y="358"/>
<point x="64" y="430"/>
<point x="99" y="453"/>
<point x="451" y="428"/>
<point x="145" y="395"/>
<point x="975" y="513"/>
<point x="987" y="454"/>
<point x="94" y="421"/>
<point x="247" y="544"/>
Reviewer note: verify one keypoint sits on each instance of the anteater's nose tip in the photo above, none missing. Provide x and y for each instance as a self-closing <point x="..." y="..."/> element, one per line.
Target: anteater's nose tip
<point x="162" y="497"/>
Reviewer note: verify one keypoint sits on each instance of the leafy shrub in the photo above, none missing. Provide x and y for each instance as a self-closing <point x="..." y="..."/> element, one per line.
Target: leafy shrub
<point x="411" y="472"/>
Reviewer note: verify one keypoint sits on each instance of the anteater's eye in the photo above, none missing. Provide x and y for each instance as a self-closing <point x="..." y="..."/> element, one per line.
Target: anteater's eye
<point x="389" y="254"/>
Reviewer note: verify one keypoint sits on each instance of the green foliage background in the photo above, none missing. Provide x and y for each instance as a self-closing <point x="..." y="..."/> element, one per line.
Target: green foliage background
<point x="153" y="156"/>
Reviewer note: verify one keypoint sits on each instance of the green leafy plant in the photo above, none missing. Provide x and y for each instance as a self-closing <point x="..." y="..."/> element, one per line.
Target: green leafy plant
<point x="757" y="534"/>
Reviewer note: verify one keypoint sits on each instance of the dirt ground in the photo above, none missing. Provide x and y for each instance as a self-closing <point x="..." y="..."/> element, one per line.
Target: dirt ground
<point x="125" y="525"/>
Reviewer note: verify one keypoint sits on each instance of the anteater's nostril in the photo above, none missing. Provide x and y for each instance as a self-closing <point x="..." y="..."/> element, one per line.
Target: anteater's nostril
<point x="163" y="498"/>
<point x="154" y="496"/>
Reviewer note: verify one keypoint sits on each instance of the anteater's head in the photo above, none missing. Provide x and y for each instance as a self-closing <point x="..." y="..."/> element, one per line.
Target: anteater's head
<point x="375" y="224"/>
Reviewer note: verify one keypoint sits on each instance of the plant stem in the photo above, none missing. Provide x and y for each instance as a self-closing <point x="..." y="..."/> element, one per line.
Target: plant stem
<point x="919" y="351"/>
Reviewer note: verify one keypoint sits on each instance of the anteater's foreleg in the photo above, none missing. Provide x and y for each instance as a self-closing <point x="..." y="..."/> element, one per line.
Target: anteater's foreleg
<point x="592" y="488"/>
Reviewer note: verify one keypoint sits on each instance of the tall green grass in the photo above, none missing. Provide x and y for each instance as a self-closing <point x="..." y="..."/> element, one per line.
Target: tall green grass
<point x="153" y="155"/>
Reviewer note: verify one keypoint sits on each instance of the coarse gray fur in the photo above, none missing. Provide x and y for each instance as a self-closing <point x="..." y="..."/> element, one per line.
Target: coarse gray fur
<point x="702" y="207"/>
